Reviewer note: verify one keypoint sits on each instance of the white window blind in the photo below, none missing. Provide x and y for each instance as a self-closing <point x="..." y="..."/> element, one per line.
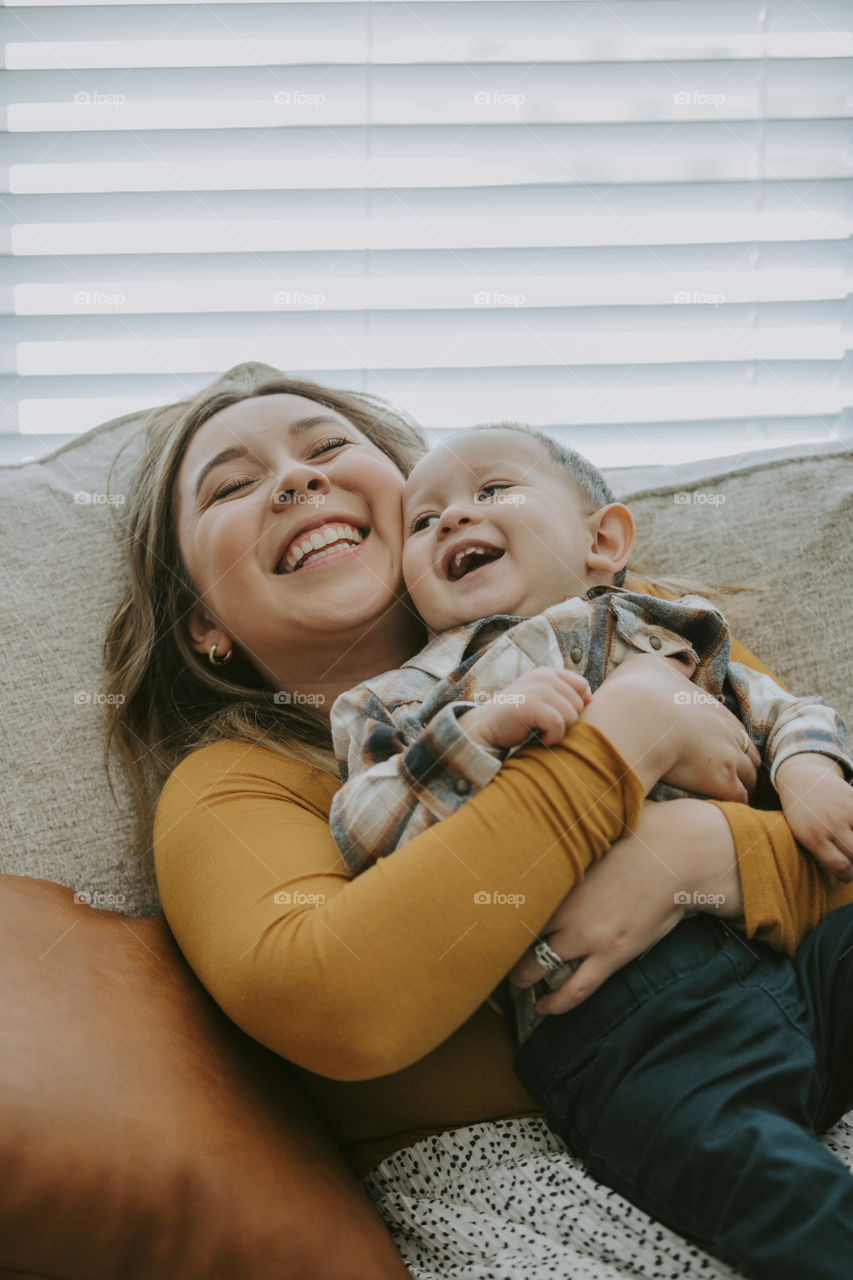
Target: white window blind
<point x="628" y="221"/>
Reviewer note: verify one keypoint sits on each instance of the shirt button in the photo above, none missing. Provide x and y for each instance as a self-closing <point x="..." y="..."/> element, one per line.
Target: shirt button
<point x="576" y="654"/>
<point x="462" y="786"/>
<point x="655" y="642"/>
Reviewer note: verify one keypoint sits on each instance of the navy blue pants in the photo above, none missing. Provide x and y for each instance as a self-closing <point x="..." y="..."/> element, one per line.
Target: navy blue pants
<point x="695" y="1082"/>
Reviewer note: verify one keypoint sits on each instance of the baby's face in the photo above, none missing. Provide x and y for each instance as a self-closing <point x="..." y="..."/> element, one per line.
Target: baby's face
<point x="492" y="525"/>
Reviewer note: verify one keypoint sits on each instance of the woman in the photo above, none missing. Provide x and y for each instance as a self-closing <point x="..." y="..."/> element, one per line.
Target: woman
<point x="377" y="988"/>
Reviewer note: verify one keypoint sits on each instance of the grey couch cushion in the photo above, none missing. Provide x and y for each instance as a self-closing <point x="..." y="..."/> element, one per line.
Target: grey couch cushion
<point x="782" y="521"/>
<point x="785" y="523"/>
<point x="61" y="577"/>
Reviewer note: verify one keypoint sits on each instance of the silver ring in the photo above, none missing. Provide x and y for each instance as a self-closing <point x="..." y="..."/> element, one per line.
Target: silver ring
<point x="547" y="956"/>
<point x="745" y="740"/>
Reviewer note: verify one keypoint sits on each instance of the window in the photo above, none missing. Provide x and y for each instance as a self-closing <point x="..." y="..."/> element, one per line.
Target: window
<point x="625" y="222"/>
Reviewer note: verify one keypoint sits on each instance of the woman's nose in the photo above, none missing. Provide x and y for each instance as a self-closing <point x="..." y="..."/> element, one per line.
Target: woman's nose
<point x="300" y="484"/>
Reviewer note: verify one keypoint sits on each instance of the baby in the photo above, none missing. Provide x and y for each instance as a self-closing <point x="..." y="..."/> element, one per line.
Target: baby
<point x="514" y="557"/>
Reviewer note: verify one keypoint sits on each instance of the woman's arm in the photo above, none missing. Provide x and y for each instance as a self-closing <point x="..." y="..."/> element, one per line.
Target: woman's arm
<point x="749" y="869"/>
<point x="358" y="978"/>
<point x="785" y="893"/>
<point x="679" y="858"/>
<point x="683" y="856"/>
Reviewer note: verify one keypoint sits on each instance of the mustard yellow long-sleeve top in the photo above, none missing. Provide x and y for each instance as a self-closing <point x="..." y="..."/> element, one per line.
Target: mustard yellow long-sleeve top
<point x="376" y="987"/>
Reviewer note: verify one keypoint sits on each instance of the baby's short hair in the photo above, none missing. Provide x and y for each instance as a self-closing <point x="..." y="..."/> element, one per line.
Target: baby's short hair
<point x="588" y="478"/>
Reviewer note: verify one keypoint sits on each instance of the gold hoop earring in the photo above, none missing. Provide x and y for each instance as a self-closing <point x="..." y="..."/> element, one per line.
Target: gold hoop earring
<point x="218" y="662"/>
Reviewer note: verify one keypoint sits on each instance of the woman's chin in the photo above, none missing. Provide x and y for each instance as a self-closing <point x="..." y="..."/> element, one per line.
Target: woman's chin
<point x="354" y="606"/>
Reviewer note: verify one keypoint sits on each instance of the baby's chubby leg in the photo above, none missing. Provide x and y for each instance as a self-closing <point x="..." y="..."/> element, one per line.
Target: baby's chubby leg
<point x="678" y="860"/>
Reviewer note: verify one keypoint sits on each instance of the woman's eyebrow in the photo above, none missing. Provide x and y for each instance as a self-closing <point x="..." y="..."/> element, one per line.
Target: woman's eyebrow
<point x="296" y="428"/>
<point x="226" y="455"/>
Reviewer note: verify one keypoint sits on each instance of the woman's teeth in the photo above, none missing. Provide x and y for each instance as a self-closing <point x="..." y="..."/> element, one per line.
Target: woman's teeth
<point x="317" y="543"/>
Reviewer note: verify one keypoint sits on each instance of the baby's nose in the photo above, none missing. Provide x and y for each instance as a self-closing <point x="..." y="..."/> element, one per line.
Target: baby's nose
<point x="453" y="517"/>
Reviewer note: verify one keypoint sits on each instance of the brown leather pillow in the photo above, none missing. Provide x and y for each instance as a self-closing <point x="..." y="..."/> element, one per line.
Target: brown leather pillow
<point x="144" y="1137"/>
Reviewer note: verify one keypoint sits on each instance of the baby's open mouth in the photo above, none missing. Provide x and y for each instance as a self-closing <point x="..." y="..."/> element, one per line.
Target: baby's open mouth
<point x="469" y="559"/>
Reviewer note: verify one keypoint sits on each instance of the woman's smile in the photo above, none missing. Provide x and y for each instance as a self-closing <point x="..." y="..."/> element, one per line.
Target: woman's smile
<point x="310" y="538"/>
<point x="325" y="546"/>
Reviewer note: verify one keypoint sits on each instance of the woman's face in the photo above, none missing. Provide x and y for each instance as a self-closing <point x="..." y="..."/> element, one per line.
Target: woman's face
<point x="289" y="522"/>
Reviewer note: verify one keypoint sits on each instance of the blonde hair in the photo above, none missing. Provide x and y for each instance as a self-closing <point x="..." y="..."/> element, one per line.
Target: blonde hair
<point x="166" y="698"/>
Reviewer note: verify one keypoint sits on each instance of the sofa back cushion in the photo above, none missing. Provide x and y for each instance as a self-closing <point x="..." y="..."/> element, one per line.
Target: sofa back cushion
<point x="61" y="577"/>
<point x="780" y="523"/>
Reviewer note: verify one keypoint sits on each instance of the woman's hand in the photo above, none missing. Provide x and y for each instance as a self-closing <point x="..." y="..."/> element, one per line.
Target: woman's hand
<point x="679" y="859"/>
<point x="667" y="728"/>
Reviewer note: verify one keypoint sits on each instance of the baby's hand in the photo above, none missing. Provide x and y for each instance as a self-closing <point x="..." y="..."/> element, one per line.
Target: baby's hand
<point x="549" y="699"/>
<point x="818" y="806"/>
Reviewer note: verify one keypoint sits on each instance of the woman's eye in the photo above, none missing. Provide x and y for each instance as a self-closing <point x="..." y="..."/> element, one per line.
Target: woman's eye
<point x="326" y="446"/>
<point x="488" y="489"/>
<point x="229" y="487"/>
<point x="422" y="522"/>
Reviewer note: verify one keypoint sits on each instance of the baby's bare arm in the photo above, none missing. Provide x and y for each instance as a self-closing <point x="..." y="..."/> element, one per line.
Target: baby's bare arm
<point x="818" y="806"/>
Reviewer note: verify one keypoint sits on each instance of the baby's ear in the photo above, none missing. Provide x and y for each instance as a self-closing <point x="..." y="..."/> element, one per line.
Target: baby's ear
<point x="612" y="541"/>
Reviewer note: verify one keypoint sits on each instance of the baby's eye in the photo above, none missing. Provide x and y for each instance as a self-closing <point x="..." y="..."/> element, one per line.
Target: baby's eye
<point x="229" y="487"/>
<point x="488" y="489"/>
<point x="422" y="522"/>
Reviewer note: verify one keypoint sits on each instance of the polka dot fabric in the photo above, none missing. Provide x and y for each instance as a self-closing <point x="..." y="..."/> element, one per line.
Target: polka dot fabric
<point x="508" y="1201"/>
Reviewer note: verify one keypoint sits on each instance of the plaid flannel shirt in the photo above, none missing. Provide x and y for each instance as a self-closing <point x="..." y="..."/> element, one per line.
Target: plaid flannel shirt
<point x="406" y="761"/>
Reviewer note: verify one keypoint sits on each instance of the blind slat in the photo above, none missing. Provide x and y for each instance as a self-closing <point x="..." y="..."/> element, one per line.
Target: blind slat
<point x="409" y="293"/>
